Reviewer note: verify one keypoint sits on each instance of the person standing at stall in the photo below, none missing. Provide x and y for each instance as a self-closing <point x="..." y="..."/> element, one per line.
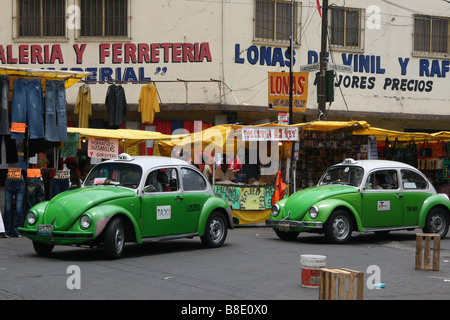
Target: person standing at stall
<point x="224" y="173"/>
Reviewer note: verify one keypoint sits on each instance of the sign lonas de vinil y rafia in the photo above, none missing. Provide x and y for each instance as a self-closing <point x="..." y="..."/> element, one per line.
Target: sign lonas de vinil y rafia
<point x="279" y="89"/>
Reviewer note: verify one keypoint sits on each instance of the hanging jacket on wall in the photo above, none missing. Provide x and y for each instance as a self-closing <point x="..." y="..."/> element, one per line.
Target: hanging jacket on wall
<point x="116" y="105"/>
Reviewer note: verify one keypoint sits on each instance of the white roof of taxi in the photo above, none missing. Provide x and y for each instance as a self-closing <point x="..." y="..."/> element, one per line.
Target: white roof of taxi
<point x="374" y="164"/>
<point x="147" y="162"/>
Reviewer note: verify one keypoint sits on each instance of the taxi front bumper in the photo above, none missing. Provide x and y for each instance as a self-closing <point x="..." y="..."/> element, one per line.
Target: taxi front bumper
<point x="286" y="225"/>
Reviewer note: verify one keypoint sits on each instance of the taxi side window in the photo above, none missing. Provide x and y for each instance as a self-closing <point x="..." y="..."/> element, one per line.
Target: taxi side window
<point x="383" y="179"/>
<point x="162" y="180"/>
<point x="412" y="180"/>
<point x="192" y="180"/>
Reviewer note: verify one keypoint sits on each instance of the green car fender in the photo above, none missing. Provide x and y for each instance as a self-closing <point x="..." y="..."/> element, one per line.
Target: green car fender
<point x="281" y="213"/>
<point x="212" y="204"/>
<point x="39" y="208"/>
<point x="102" y="214"/>
<point x="327" y="206"/>
<point x="429" y="204"/>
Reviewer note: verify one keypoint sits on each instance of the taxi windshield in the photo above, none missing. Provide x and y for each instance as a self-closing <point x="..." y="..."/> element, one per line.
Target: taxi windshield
<point x="345" y="175"/>
<point x="115" y="174"/>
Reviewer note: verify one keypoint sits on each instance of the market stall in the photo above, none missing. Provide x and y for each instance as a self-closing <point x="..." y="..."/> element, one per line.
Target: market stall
<point x="32" y="121"/>
<point x="428" y="152"/>
<point x="263" y="150"/>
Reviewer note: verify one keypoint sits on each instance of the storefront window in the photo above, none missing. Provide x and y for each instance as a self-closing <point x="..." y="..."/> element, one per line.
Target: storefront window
<point x="430" y="35"/>
<point x="273" y="20"/>
<point x="104" y="18"/>
<point x="42" y="18"/>
<point x="345" y="27"/>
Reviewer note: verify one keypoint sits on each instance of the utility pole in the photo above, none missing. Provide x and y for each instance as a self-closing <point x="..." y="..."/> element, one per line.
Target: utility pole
<point x="291" y="77"/>
<point x="323" y="62"/>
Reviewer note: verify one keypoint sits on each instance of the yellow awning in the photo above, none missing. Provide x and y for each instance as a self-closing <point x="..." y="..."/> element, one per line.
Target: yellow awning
<point x="322" y="125"/>
<point x="130" y="137"/>
<point x="217" y="136"/>
<point x="70" y="77"/>
<point x="228" y="137"/>
<point x="382" y="134"/>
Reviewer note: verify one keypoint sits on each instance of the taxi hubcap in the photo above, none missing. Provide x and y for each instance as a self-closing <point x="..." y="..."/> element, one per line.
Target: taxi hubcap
<point x="340" y="227"/>
<point x="436" y="223"/>
<point x="119" y="238"/>
<point x="216" y="230"/>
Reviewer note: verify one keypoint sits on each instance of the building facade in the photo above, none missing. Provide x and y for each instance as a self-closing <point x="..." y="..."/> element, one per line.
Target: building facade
<point x="210" y="60"/>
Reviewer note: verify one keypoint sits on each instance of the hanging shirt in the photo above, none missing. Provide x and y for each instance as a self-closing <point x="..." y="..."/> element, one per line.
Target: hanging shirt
<point x="83" y="106"/>
<point x="116" y="105"/>
<point x="148" y="103"/>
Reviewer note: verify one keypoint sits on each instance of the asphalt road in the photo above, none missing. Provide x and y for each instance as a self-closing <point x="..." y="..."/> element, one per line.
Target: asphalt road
<point x="253" y="265"/>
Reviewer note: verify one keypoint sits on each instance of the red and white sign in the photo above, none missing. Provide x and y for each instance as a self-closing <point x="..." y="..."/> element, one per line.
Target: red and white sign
<point x="270" y="134"/>
<point x="283" y="118"/>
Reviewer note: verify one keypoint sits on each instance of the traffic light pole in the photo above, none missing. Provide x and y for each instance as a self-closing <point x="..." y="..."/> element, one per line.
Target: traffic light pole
<point x="323" y="63"/>
<point x="291" y="77"/>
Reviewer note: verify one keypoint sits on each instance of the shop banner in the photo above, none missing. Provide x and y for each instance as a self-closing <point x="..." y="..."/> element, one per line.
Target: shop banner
<point x="279" y="90"/>
<point x="103" y="148"/>
<point x="252" y="198"/>
<point x="446" y="171"/>
<point x="245" y="197"/>
<point x="229" y="193"/>
<point x="270" y="134"/>
<point x="70" y="146"/>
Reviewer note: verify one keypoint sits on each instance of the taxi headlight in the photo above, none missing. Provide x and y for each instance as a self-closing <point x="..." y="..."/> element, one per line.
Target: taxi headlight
<point x="85" y="222"/>
<point x="275" y="211"/>
<point x="31" y="218"/>
<point x="313" y="212"/>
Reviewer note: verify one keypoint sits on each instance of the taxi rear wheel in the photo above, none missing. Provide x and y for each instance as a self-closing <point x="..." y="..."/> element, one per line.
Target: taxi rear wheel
<point x="338" y="228"/>
<point x="215" y="231"/>
<point x="437" y="222"/>
<point x="114" y="241"/>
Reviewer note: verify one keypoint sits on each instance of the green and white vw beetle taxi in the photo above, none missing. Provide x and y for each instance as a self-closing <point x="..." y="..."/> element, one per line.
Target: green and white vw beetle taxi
<point x="365" y="196"/>
<point x="131" y="199"/>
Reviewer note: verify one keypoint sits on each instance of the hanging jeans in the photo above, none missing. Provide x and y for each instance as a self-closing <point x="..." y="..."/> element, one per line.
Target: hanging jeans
<point x="59" y="185"/>
<point x="35" y="192"/>
<point x="10" y="149"/>
<point x="27" y="107"/>
<point x="4" y="99"/>
<point x="14" y="187"/>
<point x="55" y="111"/>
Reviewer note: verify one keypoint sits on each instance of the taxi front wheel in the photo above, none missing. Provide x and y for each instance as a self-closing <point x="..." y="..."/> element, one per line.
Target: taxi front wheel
<point x="42" y="248"/>
<point x="215" y="231"/>
<point x="114" y="240"/>
<point x="339" y="227"/>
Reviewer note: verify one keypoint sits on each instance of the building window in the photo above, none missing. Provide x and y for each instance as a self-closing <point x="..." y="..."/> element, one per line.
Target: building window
<point x="104" y="18"/>
<point x="431" y="35"/>
<point x="273" y="20"/>
<point x="345" y="27"/>
<point x="41" y="18"/>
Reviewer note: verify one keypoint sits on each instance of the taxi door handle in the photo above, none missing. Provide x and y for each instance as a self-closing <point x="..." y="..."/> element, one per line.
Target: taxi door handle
<point x="179" y="198"/>
<point x="398" y="195"/>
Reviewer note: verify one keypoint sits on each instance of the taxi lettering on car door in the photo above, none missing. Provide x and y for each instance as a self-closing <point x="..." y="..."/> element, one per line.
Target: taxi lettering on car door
<point x="382" y="202"/>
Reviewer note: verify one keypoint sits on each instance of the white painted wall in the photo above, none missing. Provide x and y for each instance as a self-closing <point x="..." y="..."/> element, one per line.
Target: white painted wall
<point x="222" y="26"/>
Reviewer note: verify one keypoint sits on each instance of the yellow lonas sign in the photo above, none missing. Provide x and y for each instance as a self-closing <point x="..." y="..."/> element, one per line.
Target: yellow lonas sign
<point x="278" y="91"/>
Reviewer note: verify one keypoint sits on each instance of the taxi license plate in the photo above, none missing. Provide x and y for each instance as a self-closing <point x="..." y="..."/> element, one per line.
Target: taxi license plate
<point x="283" y="226"/>
<point x="45" y="230"/>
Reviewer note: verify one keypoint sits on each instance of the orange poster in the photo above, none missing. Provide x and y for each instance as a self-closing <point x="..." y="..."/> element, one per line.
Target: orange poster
<point x="279" y="91"/>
